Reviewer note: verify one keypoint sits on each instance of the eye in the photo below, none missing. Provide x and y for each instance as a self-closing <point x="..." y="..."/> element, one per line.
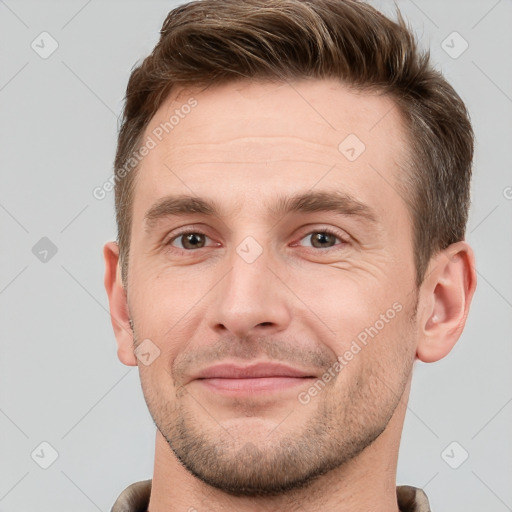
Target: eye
<point x="189" y="240"/>
<point x="322" y="239"/>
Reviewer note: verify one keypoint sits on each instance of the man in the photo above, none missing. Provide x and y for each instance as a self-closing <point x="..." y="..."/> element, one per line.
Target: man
<point x="292" y="189"/>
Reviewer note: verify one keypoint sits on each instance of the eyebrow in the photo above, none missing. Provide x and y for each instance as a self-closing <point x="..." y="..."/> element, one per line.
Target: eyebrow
<point x="307" y="202"/>
<point x="319" y="201"/>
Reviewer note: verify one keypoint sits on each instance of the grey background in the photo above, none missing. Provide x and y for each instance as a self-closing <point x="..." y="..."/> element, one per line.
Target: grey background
<point x="60" y="379"/>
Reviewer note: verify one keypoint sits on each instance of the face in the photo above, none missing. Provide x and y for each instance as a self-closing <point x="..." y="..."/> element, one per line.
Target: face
<point x="271" y="279"/>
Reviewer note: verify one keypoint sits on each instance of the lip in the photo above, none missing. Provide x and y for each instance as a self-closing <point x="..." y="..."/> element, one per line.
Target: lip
<point x="265" y="377"/>
<point x="253" y="371"/>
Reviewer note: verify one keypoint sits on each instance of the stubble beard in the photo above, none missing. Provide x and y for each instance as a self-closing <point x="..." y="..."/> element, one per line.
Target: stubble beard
<point x="287" y="459"/>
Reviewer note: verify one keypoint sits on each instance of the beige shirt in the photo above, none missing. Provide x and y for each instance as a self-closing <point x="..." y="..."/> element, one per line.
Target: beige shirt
<point x="135" y="498"/>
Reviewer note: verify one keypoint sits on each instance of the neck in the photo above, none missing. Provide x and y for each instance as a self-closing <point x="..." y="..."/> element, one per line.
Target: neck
<point x="367" y="482"/>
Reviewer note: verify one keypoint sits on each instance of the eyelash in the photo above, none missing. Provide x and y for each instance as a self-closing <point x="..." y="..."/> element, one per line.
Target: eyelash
<point x="327" y="231"/>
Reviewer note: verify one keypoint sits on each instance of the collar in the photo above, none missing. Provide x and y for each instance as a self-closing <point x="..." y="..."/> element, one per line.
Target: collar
<point x="135" y="498"/>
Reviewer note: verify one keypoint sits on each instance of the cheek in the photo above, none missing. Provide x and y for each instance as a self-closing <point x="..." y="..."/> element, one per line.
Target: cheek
<point x="367" y="331"/>
<point x="346" y="307"/>
<point x="164" y="324"/>
<point x="164" y="301"/>
<point x="156" y="378"/>
<point x="375" y="367"/>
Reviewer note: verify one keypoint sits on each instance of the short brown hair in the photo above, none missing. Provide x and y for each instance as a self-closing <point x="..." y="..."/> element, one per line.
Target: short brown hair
<point x="208" y="42"/>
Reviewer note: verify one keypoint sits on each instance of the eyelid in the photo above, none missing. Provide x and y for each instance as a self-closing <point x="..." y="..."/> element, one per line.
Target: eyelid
<point x="340" y="235"/>
<point x="185" y="230"/>
<point x="181" y="231"/>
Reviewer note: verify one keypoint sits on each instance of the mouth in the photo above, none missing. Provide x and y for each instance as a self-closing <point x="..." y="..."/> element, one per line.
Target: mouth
<point x="259" y="378"/>
<point x="252" y="385"/>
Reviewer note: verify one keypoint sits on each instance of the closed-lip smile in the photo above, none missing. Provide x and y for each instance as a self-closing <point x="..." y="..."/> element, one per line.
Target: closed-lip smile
<point x="233" y="379"/>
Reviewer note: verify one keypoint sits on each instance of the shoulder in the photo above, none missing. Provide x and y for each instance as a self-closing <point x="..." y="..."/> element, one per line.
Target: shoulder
<point x="135" y="498"/>
<point x="412" y="499"/>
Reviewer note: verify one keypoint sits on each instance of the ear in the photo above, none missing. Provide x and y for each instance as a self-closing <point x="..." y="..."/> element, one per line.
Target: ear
<point x="119" y="313"/>
<point x="446" y="296"/>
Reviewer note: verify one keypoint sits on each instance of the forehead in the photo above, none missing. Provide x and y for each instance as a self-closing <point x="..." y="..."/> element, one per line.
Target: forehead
<point x="246" y="140"/>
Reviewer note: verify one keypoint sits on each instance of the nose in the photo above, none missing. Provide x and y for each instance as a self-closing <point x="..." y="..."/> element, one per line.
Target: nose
<point x="251" y="298"/>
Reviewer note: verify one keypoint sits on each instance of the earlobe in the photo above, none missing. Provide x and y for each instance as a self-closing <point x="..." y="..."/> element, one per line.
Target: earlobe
<point x="117" y="298"/>
<point x="447" y="292"/>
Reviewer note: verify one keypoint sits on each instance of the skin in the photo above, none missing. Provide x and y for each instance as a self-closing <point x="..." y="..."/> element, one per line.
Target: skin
<point x="244" y="144"/>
